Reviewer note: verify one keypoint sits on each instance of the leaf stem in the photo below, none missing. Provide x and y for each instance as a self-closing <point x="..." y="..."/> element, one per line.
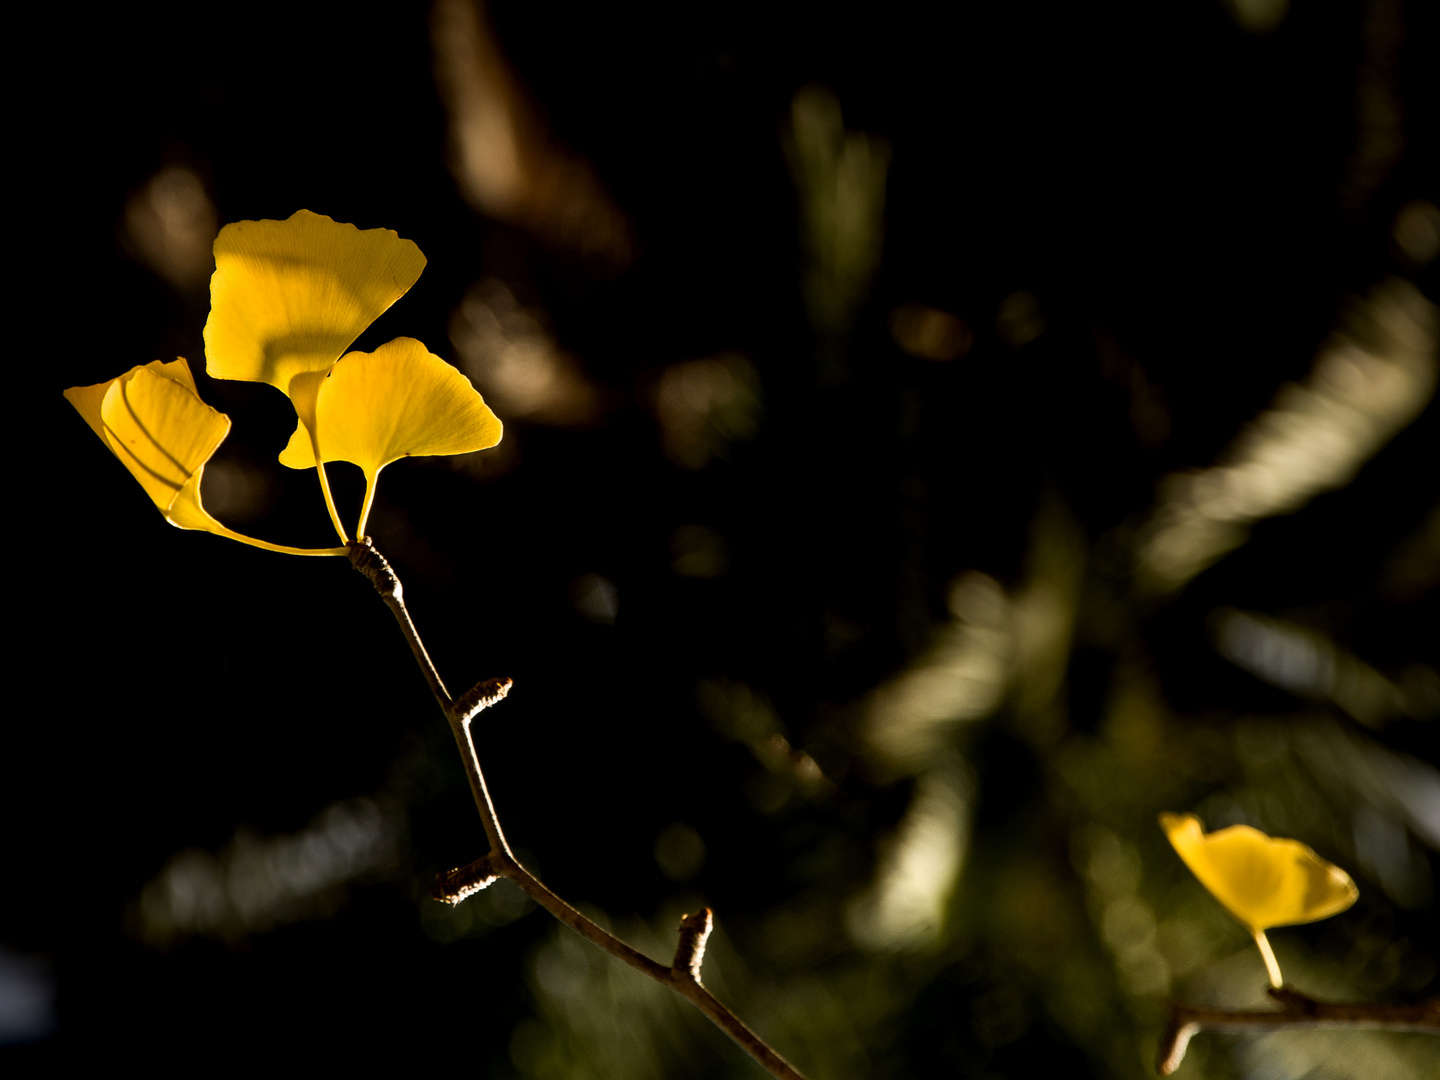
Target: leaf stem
<point x="1272" y="966"/>
<point x="370" y="479"/>
<point x="284" y="549"/>
<point x="329" y="499"/>
<point x="683" y="976"/>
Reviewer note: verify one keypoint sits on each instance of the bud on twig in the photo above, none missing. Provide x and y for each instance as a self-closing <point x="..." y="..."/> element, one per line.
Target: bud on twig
<point x="480" y="696"/>
<point x="452" y="886"/>
<point x="694" y="932"/>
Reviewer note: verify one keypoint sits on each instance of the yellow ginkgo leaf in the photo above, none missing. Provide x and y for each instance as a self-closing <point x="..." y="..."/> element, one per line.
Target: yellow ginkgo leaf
<point x="1263" y="881"/>
<point x="288" y="297"/>
<point x="153" y="420"/>
<point x="399" y="401"/>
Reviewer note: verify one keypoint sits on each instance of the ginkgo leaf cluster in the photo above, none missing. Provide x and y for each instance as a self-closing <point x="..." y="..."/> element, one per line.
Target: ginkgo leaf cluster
<point x="286" y="300"/>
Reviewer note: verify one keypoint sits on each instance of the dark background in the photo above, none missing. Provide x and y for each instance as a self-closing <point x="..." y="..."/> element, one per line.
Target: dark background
<point x="1193" y="209"/>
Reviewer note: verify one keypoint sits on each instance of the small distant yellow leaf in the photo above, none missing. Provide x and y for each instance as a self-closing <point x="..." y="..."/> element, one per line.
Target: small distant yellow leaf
<point x="1262" y="881"/>
<point x="152" y="420"/>
<point x="399" y="401"/>
<point x="289" y="297"/>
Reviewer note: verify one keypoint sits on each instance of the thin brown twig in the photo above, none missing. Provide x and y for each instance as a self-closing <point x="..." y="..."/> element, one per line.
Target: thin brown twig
<point x="1298" y="1010"/>
<point x="366" y="558"/>
<point x="454" y="886"/>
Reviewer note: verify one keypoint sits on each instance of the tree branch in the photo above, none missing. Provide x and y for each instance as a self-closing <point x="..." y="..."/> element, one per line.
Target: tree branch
<point x="455" y="885"/>
<point x="1299" y="1010"/>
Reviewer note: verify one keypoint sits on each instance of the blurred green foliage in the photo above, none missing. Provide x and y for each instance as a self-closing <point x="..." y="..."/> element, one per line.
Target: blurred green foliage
<point x="817" y="544"/>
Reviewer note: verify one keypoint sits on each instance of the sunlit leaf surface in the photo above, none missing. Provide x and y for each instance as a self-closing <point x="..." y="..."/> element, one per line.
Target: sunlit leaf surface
<point x="1262" y="881"/>
<point x="399" y="401"/>
<point x="152" y="419"/>
<point x="288" y="297"/>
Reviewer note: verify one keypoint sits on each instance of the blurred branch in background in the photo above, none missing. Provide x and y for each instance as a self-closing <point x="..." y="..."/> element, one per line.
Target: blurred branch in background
<point x="170" y="224"/>
<point x="840" y="176"/>
<point x="505" y="161"/>
<point x="258" y="883"/>
<point x="1309" y="665"/>
<point x="1369" y="383"/>
<point x="507" y="351"/>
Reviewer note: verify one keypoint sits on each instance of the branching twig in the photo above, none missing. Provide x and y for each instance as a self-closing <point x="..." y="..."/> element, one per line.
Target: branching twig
<point x="1299" y="1010"/>
<point x="683" y="976"/>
